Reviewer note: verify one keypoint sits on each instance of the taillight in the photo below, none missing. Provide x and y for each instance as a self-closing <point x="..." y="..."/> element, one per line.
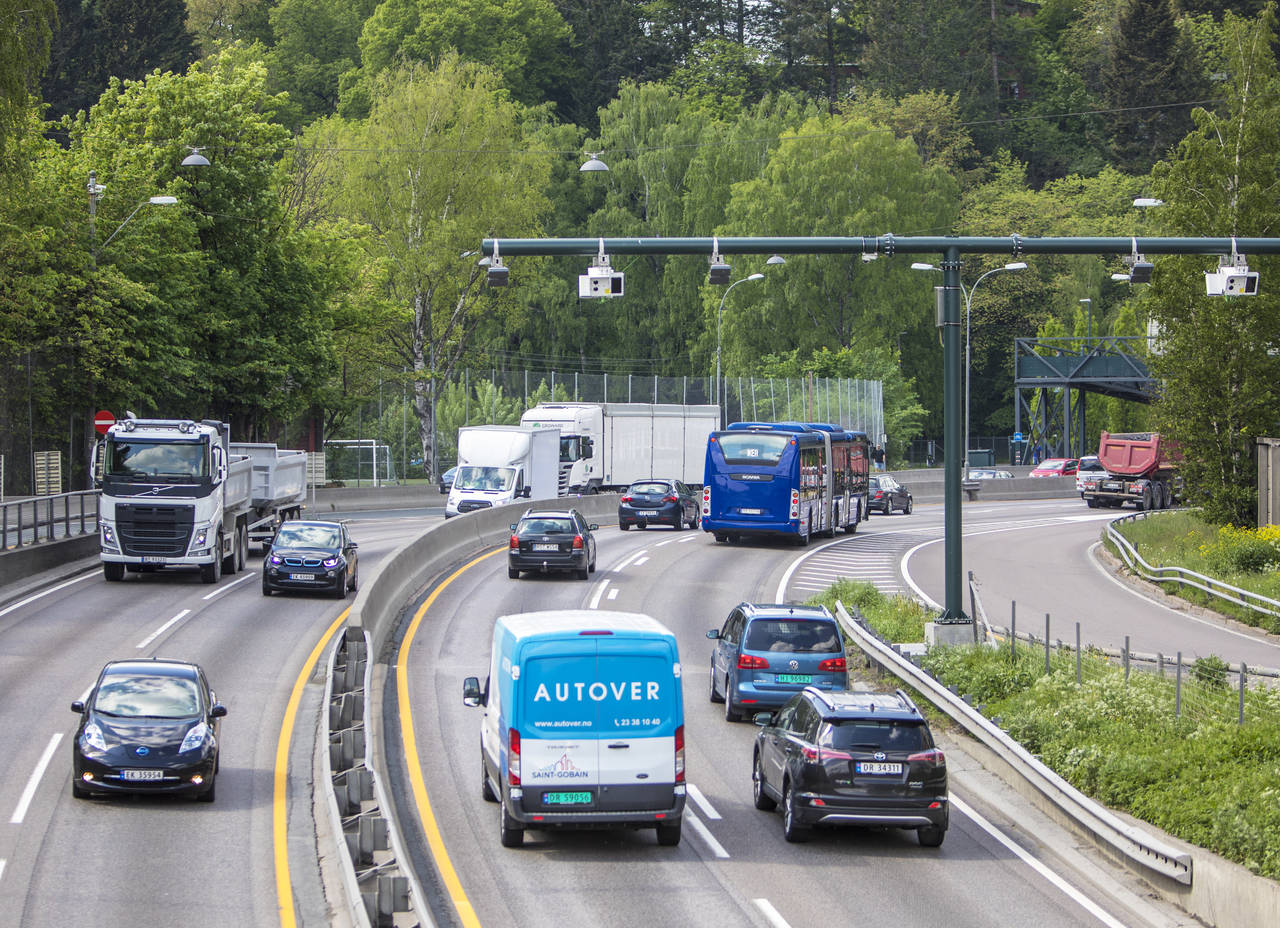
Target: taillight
<point x="513" y="757"/>
<point x="834" y="663"/>
<point x="680" y="754"/>
<point x="670" y="499"/>
<point x="811" y="754"/>
<point x="577" y="542"/>
<point x="625" y="499"/>
<point x="932" y="756"/>
<point x="821" y="755"/>
<point x="706" y="500"/>
<point x="795" y="504"/>
<point x="751" y="662"/>
<point x="515" y="542"/>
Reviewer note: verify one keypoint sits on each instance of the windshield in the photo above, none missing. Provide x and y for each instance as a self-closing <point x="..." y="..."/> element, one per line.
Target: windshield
<point x="133" y="458"/>
<point x="472" y="477"/>
<point x="570" y="449"/>
<point x="752" y="447"/>
<point x="313" y="536"/>
<point x="158" y="696"/>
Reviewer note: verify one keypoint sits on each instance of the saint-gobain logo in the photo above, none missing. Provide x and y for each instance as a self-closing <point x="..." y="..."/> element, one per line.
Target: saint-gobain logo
<point x="562" y="769"/>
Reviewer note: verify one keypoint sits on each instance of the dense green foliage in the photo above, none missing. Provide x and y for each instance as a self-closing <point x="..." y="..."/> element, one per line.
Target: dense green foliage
<point x="360" y="149"/>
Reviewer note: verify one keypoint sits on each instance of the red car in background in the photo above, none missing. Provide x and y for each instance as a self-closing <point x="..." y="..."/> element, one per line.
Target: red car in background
<point x="1057" y="467"/>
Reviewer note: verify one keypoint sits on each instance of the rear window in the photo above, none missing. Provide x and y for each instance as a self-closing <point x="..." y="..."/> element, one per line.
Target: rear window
<point x="546" y="527"/>
<point x="792" y="636"/>
<point x="650" y="488"/>
<point x="752" y="448"/>
<point x="860" y="734"/>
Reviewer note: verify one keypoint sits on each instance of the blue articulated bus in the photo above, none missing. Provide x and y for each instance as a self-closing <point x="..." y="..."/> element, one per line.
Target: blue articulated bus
<point x="793" y="479"/>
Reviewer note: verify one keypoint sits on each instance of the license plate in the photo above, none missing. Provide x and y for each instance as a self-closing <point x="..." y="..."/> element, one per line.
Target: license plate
<point x="566" y="799"/>
<point x="878" y="767"/>
<point x="302" y="576"/>
<point x="546" y="547"/>
<point x="142" y="774"/>
<point x="794" y="678"/>
<point x="153" y="560"/>
<point x="751" y="512"/>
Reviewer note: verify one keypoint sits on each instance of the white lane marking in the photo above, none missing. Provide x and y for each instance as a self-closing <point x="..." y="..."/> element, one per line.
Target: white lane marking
<point x="163" y="628"/>
<point x="667" y="542"/>
<point x="226" y="586"/>
<point x="707" y="809"/>
<point x="613" y="594"/>
<point x="627" y="560"/>
<point x="1070" y="891"/>
<point x="701" y="830"/>
<point x="53" y="589"/>
<point x="1" y="869"/>
<point x="27" y="794"/>
<point x="688" y="538"/>
<point x="640" y="561"/>
<point x="595" y="600"/>
<point x="770" y="913"/>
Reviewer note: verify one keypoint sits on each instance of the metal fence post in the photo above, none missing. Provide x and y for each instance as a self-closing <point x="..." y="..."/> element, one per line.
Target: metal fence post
<point x="1078" y="680"/>
<point x="1126" y="658"/>
<point x="1243" y="671"/>
<point x="1013" y="631"/>
<point x="1046" y="643"/>
<point x="1177" y="689"/>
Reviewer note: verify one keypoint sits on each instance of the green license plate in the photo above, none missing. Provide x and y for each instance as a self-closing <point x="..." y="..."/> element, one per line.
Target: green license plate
<point x="794" y="678"/>
<point x="566" y="799"/>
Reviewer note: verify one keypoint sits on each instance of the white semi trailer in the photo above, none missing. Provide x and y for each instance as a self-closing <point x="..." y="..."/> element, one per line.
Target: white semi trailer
<point x="611" y="445"/>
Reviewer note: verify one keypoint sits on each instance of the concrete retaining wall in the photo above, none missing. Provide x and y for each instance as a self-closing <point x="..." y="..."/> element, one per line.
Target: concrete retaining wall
<point x="20" y="563"/>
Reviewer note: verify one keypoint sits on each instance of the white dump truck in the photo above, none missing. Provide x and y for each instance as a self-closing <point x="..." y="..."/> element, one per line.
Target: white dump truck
<point x="279" y="488"/>
<point x="177" y="493"/>
<point x="499" y="464"/>
<point x="611" y="445"/>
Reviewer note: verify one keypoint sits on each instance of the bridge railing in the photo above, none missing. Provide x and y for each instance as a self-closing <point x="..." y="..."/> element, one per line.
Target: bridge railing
<point x="48" y="518"/>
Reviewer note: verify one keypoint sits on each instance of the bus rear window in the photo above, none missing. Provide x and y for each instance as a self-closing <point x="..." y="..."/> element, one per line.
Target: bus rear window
<point x="752" y="447"/>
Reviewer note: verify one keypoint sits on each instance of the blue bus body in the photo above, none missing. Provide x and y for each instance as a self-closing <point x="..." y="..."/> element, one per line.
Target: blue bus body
<point x="793" y="479"/>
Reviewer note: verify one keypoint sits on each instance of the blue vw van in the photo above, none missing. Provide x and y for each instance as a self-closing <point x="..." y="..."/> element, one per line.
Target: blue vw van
<point x="583" y="723"/>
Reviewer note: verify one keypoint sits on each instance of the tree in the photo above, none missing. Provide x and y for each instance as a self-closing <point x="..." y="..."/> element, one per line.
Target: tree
<point x="317" y="43"/>
<point x="443" y="161"/>
<point x="1217" y="356"/>
<point x="25" y="31"/>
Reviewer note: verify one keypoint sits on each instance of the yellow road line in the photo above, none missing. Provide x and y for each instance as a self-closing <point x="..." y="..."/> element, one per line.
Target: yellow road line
<point x="279" y="817"/>
<point x="466" y="914"/>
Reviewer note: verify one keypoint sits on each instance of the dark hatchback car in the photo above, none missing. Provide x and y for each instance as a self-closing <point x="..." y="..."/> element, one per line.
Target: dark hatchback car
<point x="446" y="479"/>
<point x="658" y="502"/>
<point x="765" y="653"/>
<point x="148" y="726"/>
<point x="311" y="556"/>
<point x="546" y="540"/>
<point x="865" y="759"/>
<point x="887" y="495"/>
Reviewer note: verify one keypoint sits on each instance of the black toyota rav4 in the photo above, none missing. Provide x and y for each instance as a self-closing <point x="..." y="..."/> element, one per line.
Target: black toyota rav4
<point x="846" y="758"/>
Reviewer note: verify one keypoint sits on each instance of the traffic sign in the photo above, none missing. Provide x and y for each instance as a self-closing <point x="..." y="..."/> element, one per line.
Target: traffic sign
<point x="103" y="419"/>
<point x="1017" y="436"/>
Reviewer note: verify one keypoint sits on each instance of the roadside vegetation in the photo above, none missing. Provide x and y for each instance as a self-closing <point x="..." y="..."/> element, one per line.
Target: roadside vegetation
<point x="1176" y="756"/>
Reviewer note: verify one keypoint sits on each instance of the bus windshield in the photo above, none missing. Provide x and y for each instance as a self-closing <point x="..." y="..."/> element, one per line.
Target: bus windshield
<point x="752" y="447"/>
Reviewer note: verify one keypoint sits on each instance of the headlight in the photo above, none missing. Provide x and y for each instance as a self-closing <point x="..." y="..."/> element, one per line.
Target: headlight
<point x="195" y="738"/>
<point x="276" y="559"/>
<point x="108" y="534"/>
<point x="201" y="537"/>
<point x="332" y="562"/>
<point x="91" y="737"/>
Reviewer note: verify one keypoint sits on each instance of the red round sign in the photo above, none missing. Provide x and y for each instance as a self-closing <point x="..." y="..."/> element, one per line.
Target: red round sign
<point x="103" y="419"/>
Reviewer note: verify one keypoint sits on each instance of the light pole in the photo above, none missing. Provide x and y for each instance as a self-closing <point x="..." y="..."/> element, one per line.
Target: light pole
<point x="1088" y="305"/>
<point x="719" y="315"/>
<point x="968" y="305"/>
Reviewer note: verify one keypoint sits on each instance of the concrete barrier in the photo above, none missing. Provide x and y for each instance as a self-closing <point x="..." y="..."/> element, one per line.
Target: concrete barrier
<point x="23" y="562"/>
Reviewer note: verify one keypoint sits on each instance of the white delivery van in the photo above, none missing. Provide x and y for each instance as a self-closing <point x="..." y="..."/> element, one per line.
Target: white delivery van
<point x="583" y="723"/>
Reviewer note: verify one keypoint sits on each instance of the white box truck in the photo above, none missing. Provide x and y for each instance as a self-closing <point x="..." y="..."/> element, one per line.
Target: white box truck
<point x="583" y="723"/>
<point x="174" y="494"/>
<point x="499" y="464"/>
<point x="609" y="446"/>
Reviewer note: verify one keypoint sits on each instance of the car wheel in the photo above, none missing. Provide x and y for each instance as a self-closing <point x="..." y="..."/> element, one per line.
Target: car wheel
<point x="931" y="836"/>
<point x="730" y="713"/>
<point x="113" y="572"/>
<point x="209" y="794"/>
<point x="669" y="833"/>
<point x="764" y="802"/>
<point x="355" y="581"/>
<point x="721" y="538"/>
<point x="906" y="510"/>
<point x="678" y="524"/>
<point x="266" y="590"/>
<point x="625" y="526"/>
<point x="696" y="521"/>
<point x="340" y="591"/>
<point x="592" y="567"/>
<point x="510" y="832"/>
<point x="715" y="696"/>
<point x="583" y="573"/>
<point x="486" y="789"/>
<point x="792" y="830"/>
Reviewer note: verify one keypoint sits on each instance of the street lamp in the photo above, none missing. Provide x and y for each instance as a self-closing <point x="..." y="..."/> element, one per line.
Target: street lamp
<point x="1088" y="301"/>
<point x="968" y="305"/>
<point x="720" y="314"/>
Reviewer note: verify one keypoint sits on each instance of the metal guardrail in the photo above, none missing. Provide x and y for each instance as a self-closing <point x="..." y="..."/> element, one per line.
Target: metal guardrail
<point x="1134" y="843"/>
<point x="1181" y="575"/>
<point x="46" y="518"/>
<point x="371" y="850"/>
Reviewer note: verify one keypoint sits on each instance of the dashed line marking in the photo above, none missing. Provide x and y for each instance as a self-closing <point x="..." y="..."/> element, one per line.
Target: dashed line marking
<point x="163" y="628"/>
<point x="24" y="802"/>
<point x="703" y="803"/>
<point x="769" y="912"/>
<point x="702" y="832"/>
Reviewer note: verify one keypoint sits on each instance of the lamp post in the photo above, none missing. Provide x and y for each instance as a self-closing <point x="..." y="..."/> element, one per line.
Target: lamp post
<point x="719" y="316"/>
<point x="1088" y="305"/>
<point x="968" y="305"/>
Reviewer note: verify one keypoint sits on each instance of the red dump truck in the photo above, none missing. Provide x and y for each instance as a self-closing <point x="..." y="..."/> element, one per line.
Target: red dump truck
<point x="1141" y="468"/>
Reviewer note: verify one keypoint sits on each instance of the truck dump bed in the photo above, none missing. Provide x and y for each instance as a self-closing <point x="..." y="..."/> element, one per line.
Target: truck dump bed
<point x="279" y="476"/>
<point x="1132" y="454"/>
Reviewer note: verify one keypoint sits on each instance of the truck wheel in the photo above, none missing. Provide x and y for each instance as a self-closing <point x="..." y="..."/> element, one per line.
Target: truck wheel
<point x="669" y="833"/>
<point x="229" y="561"/>
<point x="1091" y="502"/>
<point x="242" y="549"/>
<point x="212" y="573"/>
<point x="112" y="571"/>
<point x="1145" y="503"/>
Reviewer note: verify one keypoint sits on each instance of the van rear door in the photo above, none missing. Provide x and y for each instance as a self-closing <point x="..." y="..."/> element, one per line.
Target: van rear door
<point x="559" y="758"/>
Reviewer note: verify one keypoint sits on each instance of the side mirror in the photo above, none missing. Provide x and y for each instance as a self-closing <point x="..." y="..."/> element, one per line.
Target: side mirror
<point x="763" y="719"/>
<point x="78" y="707"/>
<point x="96" y="467"/>
<point x="218" y="711"/>
<point x="513" y="526"/>
<point x="594" y="527"/>
<point x="352" y="545"/>
<point x="471" y="691"/>
<point x="713" y="634"/>
<point x="526" y="492"/>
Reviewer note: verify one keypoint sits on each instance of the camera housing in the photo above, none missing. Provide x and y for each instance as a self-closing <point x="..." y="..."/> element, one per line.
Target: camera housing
<point x="1232" y="278"/>
<point x="600" y="281"/>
